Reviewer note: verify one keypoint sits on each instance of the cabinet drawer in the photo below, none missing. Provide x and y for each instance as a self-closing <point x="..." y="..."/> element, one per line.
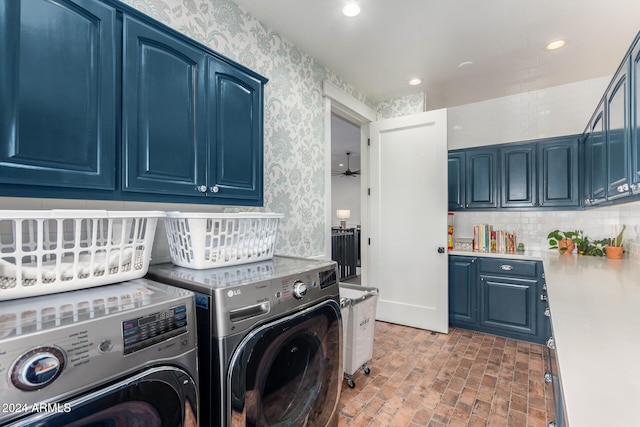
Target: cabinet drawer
<point x="509" y="267"/>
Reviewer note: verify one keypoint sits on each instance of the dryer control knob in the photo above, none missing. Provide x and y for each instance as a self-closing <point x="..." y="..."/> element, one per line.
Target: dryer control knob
<point x="299" y="289"/>
<point x="37" y="368"/>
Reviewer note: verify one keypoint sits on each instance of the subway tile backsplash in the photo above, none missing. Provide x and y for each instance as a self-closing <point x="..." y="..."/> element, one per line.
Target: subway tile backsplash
<point x="532" y="227"/>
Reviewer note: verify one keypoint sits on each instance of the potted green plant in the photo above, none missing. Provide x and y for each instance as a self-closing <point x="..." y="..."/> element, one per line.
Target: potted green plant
<point x="562" y="241"/>
<point x="586" y="246"/>
<point x="614" y="247"/>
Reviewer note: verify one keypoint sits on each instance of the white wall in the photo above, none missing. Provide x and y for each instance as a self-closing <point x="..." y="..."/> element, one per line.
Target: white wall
<point x="345" y="194"/>
<point x="556" y="111"/>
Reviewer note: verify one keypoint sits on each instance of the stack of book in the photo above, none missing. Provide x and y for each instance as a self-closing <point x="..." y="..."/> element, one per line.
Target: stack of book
<point x="485" y="239"/>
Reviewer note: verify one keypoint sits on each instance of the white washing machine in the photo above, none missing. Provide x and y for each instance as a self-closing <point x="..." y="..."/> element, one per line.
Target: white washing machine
<point x="117" y="355"/>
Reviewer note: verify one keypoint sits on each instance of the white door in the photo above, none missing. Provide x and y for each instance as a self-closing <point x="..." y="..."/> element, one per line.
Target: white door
<point x="408" y="218"/>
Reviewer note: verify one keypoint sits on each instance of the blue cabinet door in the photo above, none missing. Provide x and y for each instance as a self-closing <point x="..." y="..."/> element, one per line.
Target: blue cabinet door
<point x="58" y="90"/>
<point x="517" y="176"/>
<point x="164" y="135"/>
<point x="235" y="133"/>
<point x="463" y="291"/>
<point x="456" y="180"/>
<point x="618" y="135"/>
<point x="509" y="305"/>
<point x="482" y="178"/>
<point x="558" y="173"/>
<point x="634" y="149"/>
<point x="595" y="187"/>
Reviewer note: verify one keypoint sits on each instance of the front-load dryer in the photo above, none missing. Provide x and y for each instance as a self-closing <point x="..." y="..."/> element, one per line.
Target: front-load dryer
<point x="269" y="341"/>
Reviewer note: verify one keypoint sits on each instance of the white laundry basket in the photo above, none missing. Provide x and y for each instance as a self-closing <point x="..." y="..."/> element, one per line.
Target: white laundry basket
<point x="358" y="308"/>
<point x="50" y="251"/>
<point x="210" y="240"/>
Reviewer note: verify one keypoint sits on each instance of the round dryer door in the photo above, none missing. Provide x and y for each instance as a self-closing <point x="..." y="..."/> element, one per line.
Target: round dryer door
<point x="289" y="373"/>
<point x="157" y="397"/>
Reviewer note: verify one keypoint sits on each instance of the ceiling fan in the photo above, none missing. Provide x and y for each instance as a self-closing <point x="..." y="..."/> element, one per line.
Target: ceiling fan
<point x="348" y="172"/>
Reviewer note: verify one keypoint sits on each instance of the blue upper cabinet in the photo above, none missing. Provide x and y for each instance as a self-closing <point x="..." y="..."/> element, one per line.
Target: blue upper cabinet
<point x="618" y="134"/>
<point x="234" y="132"/>
<point x="518" y="178"/>
<point x="595" y="190"/>
<point x="192" y="122"/>
<point x="163" y="103"/>
<point x="558" y="173"/>
<point x="541" y="174"/>
<point x="58" y="90"/>
<point x="634" y="101"/>
<point x="482" y="178"/>
<point x="456" y="180"/>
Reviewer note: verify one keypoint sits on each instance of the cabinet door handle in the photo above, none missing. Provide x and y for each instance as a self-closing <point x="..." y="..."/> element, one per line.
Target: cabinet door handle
<point x="215" y="189"/>
<point x="551" y="343"/>
<point x="202" y="188"/>
<point x="543" y="298"/>
<point x="548" y="378"/>
<point x="506" y="267"/>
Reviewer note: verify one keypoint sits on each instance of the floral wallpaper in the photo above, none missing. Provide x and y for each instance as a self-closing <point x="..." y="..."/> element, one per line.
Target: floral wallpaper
<point x="294" y="108"/>
<point x="397" y="107"/>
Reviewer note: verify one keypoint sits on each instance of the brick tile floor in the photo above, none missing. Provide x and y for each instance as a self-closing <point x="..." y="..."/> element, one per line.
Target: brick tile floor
<point x="464" y="378"/>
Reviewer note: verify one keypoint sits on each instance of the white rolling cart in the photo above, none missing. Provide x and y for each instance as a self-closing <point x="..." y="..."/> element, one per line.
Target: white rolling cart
<point x="358" y="307"/>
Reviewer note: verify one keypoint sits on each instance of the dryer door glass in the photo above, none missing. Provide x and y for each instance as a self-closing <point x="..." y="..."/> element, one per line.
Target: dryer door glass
<point x="289" y="373"/>
<point x="159" y="397"/>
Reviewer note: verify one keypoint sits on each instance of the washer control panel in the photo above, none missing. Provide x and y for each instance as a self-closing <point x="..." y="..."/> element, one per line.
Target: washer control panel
<point x="151" y="329"/>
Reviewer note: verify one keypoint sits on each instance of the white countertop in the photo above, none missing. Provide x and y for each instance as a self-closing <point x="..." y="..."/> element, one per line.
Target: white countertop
<point x="530" y="255"/>
<point x="595" y="315"/>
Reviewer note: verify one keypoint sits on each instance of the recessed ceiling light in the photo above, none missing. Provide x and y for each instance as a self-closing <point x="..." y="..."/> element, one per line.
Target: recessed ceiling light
<point x="340" y="164"/>
<point x="555" y="44"/>
<point x="415" y="82"/>
<point x="351" y="9"/>
<point x="465" y="65"/>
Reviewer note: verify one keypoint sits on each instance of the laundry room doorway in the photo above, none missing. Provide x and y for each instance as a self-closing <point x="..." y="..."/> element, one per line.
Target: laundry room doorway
<point x="346" y="185"/>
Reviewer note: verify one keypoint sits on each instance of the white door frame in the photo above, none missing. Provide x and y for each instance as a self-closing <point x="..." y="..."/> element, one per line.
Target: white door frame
<point x="338" y="102"/>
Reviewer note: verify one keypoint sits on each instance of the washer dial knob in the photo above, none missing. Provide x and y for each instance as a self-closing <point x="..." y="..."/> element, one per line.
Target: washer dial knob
<point x="37" y="368"/>
<point x="299" y="289"/>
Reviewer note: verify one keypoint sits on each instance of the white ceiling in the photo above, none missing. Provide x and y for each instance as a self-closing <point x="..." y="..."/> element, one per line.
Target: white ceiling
<point x="392" y="41"/>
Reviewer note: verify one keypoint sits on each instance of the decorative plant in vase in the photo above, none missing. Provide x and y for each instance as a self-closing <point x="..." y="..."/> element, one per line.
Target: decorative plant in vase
<point x="562" y="240"/>
<point x="614" y="247"/>
<point x="586" y="246"/>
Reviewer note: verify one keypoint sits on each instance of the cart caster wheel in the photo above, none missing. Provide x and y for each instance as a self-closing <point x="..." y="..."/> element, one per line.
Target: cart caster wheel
<point x="366" y="370"/>
<point x="351" y="383"/>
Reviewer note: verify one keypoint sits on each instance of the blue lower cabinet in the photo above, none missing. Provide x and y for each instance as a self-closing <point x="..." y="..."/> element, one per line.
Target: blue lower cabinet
<point x="499" y="296"/>
<point x="463" y="304"/>
<point x="58" y="64"/>
<point x="508" y="305"/>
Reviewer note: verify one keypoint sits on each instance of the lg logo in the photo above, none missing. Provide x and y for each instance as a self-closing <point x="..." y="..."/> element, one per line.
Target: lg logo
<point x="233" y="292"/>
